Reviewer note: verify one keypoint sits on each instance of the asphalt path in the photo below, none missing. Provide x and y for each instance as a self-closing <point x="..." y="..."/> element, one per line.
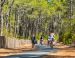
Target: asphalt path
<point x="41" y="51"/>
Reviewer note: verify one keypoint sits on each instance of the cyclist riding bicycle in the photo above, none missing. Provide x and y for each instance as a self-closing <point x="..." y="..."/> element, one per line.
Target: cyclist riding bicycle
<point x="51" y="39"/>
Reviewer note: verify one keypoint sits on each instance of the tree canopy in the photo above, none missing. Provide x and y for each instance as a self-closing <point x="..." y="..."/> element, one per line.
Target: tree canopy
<point x="22" y="18"/>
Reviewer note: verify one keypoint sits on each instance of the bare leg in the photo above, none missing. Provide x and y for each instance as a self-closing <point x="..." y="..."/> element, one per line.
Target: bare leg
<point x="32" y="45"/>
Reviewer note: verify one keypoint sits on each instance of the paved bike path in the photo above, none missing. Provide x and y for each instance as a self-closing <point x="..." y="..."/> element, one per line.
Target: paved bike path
<point x="42" y="50"/>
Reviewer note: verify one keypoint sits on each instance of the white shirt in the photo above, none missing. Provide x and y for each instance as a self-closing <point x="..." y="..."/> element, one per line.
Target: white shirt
<point x="51" y="36"/>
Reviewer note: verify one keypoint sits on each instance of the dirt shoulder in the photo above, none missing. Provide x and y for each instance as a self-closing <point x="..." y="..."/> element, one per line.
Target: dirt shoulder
<point x="63" y="51"/>
<point x="12" y="51"/>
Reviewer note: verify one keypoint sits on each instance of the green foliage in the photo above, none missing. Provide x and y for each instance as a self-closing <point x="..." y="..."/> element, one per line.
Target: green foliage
<point x="5" y="8"/>
<point x="45" y="37"/>
<point x="67" y="38"/>
<point x="67" y="41"/>
<point x="38" y="35"/>
<point x="38" y="15"/>
<point x="56" y="37"/>
<point x="73" y="37"/>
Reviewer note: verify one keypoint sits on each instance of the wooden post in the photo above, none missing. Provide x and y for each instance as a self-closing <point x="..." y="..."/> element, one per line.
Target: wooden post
<point x="2" y="42"/>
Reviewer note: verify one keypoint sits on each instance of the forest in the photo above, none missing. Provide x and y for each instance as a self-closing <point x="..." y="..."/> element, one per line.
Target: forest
<point x="22" y="18"/>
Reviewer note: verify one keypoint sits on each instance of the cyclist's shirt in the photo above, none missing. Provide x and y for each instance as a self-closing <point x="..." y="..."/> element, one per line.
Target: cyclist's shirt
<point x="51" y="37"/>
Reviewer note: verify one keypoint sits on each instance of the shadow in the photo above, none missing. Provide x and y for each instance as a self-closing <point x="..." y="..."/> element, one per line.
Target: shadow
<point x="48" y="50"/>
<point x="18" y="49"/>
<point x="2" y="57"/>
<point x="2" y="41"/>
<point x="24" y="56"/>
<point x="15" y="51"/>
<point x="66" y="48"/>
<point x="33" y="54"/>
<point x="57" y="56"/>
<point x="43" y="50"/>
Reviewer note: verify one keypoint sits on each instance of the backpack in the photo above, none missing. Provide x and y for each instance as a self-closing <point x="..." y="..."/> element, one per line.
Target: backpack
<point x="35" y="41"/>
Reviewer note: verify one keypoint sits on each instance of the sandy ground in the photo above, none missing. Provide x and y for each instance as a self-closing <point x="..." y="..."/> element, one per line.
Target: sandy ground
<point x="64" y="50"/>
<point x="6" y="52"/>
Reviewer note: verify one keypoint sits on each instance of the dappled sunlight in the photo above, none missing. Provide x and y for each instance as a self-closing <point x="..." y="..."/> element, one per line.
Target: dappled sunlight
<point x="36" y="28"/>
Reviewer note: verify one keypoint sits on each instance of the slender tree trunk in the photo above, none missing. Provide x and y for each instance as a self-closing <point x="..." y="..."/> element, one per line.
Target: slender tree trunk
<point x="1" y="16"/>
